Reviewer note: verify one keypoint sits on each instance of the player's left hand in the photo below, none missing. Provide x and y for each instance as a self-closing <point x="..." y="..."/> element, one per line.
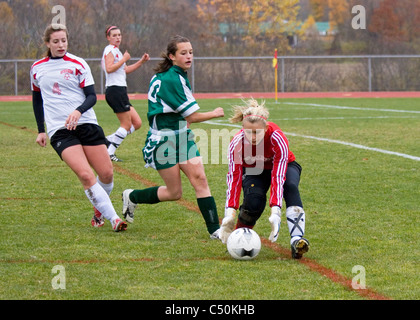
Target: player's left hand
<point x="72" y="120"/>
<point x="145" y="58"/>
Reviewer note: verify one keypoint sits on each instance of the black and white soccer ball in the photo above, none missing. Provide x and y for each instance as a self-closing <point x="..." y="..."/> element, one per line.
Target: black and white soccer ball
<point x="244" y="244"/>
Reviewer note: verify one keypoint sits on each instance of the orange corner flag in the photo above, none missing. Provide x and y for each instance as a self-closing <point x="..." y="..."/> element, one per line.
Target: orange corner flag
<point x="275" y="62"/>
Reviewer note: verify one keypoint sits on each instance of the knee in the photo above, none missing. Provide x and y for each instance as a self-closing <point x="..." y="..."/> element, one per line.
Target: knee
<point x="199" y="181"/>
<point x="253" y="206"/>
<point x="290" y="187"/>
<point x="87" y="178"/>
<point x="107" y="176"/>
<point x="137" y="124"/>
<point x="175" y="194"/>
<point x="255" y="200"/>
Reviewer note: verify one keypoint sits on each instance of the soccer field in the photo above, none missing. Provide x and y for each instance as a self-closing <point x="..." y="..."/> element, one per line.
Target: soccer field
<point x="359" y="186"/>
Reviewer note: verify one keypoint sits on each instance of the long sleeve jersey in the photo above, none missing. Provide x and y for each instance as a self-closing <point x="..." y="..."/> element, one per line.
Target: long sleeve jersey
<point x="272" y="153"/>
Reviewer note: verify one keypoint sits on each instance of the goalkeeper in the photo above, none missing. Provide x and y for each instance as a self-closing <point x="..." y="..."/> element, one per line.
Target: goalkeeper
<point x="260" y="159"/>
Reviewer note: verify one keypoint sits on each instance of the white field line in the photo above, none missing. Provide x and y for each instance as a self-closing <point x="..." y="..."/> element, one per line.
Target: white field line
<point x="350" y="144"/>
<point x="351" y="108"/>
<point x="345" y="118"/>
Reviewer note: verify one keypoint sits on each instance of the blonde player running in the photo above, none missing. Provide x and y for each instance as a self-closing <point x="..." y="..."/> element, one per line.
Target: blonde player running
<point x="259" y="160"/>
<point x="169" y="146"/>
<point x="116" y="70"/>
<point x="63" y="97"/>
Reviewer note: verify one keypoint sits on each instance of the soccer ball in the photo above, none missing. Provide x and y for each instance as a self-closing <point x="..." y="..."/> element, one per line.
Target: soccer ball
<point x="244" y="244"/>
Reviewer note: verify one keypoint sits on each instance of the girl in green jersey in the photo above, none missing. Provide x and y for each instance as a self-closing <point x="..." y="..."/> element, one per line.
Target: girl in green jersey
<point x="169" y="146"/>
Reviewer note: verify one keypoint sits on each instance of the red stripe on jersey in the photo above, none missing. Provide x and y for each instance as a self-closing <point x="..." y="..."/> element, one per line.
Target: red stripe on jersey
<point x="66" y="58"/>
<point x="278" y="173"/>
<point x="34" y="87"/>
<point x="234" y="176"/>
<point x="46" y="59"/>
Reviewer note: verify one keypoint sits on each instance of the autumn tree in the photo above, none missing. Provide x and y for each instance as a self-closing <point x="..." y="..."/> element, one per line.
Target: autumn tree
<point x="251" y="27"/>
<point x="396" y="21"/>
<point x="8" y="34"/>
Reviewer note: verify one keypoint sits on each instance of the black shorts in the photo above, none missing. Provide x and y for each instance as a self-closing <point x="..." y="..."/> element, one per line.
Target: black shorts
<point x="85" y="134"/>
<point x="291" y="185"/>
<point x="117" y="99"/>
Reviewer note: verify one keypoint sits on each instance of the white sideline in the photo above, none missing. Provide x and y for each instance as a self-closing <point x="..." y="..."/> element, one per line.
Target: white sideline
<point x="351" y="108"/>
<point x="350" y="144"/>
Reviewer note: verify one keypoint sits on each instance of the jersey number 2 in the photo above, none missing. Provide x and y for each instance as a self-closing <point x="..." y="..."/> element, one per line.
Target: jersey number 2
<point x="153" y="91"/>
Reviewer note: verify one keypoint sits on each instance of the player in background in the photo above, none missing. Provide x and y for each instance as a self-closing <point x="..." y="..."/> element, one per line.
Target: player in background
<point x="170" y="146"/>
<point x="63" y="96"/>
<point x="260" y="159"/>
<point x="116" y="70"/>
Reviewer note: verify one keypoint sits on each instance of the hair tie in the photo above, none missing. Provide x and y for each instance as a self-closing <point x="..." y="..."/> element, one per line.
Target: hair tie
<point x="255" y="115"/>
<point x="111" y="27"/>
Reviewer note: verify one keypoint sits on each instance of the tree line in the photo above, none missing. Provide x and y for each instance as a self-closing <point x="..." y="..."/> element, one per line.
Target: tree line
<point x="215" y="27"/>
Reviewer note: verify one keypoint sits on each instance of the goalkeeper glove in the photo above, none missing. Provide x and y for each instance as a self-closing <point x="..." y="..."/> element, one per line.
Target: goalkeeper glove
<point x="228" y="224"/>
<point x="275" y="219"/>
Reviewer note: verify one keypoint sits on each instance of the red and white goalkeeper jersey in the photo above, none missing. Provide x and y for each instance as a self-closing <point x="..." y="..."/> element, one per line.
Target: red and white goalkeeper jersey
<point x="271" y="153"/>
<point x="119" y="77"/>
<point x="61" y="82"/>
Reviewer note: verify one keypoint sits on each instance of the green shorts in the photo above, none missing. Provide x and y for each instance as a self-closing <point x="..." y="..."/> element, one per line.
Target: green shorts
<point x="164" y="149"/>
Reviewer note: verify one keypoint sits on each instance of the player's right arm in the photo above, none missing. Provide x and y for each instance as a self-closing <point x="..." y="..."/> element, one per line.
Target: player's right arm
<point x="38" y="107"/>
<point x="110" y="66"/>
<point x="234" y="185"/>
<point x="235" y="171"/>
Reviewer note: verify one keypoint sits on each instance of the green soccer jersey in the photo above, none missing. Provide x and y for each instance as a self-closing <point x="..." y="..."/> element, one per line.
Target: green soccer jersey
<point x="170" y="100"/>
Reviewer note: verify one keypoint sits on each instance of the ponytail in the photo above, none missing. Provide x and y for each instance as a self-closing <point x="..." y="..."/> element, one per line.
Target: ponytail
<point x="251" y="111"/>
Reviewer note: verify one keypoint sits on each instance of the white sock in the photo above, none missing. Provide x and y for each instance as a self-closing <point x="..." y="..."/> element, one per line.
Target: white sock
<point x="107" y="187"/>
<point x="101" y="201"/>
<point x="131" y="129"/>
<point x="116" y="139"/>
<point x="296" y="228"/>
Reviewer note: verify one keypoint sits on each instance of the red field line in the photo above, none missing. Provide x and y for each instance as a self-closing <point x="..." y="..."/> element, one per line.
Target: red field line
<point x="263" y="95"/>
<point x="311" y="264"/>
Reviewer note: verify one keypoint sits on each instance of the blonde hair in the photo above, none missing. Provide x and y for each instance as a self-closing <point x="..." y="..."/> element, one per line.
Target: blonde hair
<point x="50" y="30"/>
<point x="252" y="111"/>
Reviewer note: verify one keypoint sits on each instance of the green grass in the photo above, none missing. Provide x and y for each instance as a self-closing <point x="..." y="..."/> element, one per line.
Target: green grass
<point x="362" y="208"/>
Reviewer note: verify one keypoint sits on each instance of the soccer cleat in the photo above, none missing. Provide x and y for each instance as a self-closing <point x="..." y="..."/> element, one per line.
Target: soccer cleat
<point x="97" y="219"/>
<point x="299" y="247"/>
<point x="215" y="235"/>
<point x="128" y="206"/>
<point x="114" y="158"/>
<point x="119" y="225"/>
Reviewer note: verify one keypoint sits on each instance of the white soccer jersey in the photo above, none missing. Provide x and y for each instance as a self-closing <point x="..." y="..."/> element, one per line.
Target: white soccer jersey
<point x="117" y="78"/>
<point x="61" y="82"/>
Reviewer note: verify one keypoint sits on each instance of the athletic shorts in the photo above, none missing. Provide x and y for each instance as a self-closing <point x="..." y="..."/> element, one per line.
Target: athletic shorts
<point x="117" y="98"/>
<point x="85" y="135"/>
<point x="291" y="185"/>
<point x="165" y="151"/>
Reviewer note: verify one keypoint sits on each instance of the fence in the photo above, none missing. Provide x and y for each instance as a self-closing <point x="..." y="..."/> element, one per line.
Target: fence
<point x="256" y="74"/>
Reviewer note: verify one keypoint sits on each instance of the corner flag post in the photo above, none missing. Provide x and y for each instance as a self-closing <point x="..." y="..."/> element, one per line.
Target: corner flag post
<point x="275" y="66"/>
